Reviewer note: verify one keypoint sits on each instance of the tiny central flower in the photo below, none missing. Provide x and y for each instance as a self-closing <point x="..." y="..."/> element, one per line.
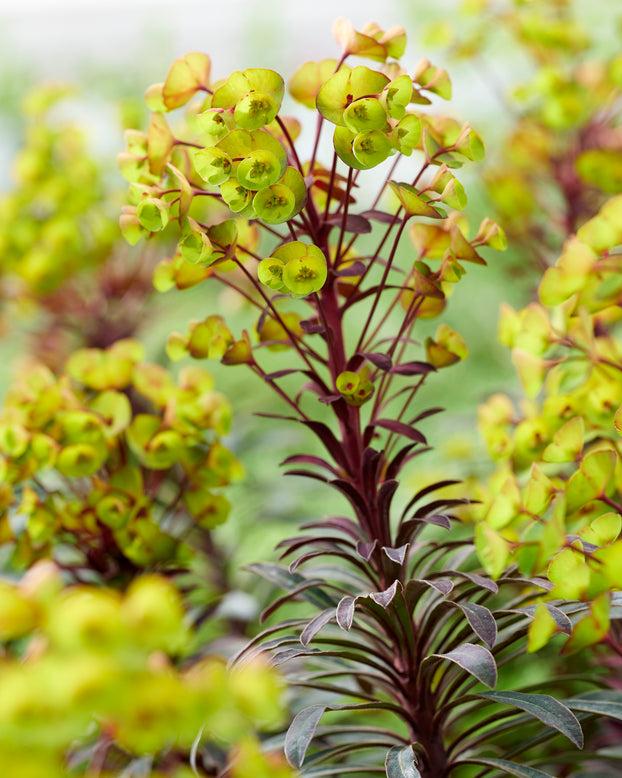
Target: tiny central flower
<point x="257" y="170"/>
<point x="304" y="272"/>
<point x="256" y="106"/>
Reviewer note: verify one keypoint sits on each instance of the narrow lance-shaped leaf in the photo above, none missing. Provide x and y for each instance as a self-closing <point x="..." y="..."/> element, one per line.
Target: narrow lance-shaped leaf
<point x="385" y="597"/>
<point x="401" y="763"/>
<point x="301" y="732"/>
<point x="399" y="428"/>
<point x="510" y="768"/>
<point x="345" y="612"/>
<point x="315" y="625"/>
<point x="476" y="660"/>
<point x="604" y="702"/>
<point x="545" y="708"/>
<point x="290" y="581"/>
<point x="413" y="368"/>
<point x="412" y="202"/>
<point x="482" y="622"/>
<point x="396" y="555"/>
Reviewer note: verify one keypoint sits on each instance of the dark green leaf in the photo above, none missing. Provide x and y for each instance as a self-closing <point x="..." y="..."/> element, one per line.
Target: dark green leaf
<point x="605" y="702"/>
<point x="479" y="580"/>
<point x="482" y="622"/>
<point x="399" y="428"/>
<point x="354" y="223"/>
<point x="401" y="763"/>
<point x="345" y="613"/>
<point x="476" y="660"/>
<point x="511" y="768"/>
<point x="315" y="625"/>
<point x="290" y="581"/>
<point x="397" y="554"/>
<point x="441" y="585"/>
<point x="365" y="550"/>
<point x="301" y="732"/>
<point x="292" y="653"/>
<point x="385" y="598"/>
<point x="545" y="708"/>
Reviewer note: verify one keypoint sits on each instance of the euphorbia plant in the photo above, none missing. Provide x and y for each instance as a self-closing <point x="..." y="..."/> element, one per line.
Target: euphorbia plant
<point x="555" y="504"/>
<point x="64" y="267"/>
<point x="113" y="476"/>
<point x="410" y="632"/>
<point x="560" y="156"/>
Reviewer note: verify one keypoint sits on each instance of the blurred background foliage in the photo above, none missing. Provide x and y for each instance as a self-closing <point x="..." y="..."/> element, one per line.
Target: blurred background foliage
<point x="531" y="77"/>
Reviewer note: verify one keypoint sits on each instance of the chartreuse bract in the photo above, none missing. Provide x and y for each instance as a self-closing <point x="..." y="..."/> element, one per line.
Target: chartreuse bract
<point x="397" y="638"/>
<point x="560" y="157"/>
<point x="113" y="476"/>
<point x="555" y="506"/>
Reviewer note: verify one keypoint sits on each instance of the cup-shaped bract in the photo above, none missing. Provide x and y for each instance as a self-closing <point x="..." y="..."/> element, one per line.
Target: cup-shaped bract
<point x="240" y="352"/>
<point x="209" y="339"/>
<point x="446" y="348"/>
<point x="259" y="170"/>
<point x="14" y="439"/>
<point x="80" y="459"/>
<point x="354" y="388"/>
<point x="363" y="392"/>
<point x="196" y="248"/>
<point x="239" y="144"/>
<point x="110" y="369"/>
<point x="154" y="98"/>
<point x="433" y="79"/>
<point x="270" y="272"/>
<point x="155" y="447"/>
<point x="345" y="87"/>
<point x="449" y="188"/>
<point x="114" y="510"/>
<point x="213" y="165"/>
<point x="237" y="197"/>
<point x="255" y="110"/>
<point x="208" y="509"/>
<point x="275" y="204"/>
<point x="155" y="383"/>
<point x="188" y="75"/>
<point x="397" y="95"/>
<point x="406" y="134"/>
<point x="371" y="148"/>
<point x="305" y="269"/>
<point x="255" y="95"/>
<point x="153" y="610"/>
<point x="77" y="426"/>
<point x="215" y="122"/>
<point x="131" y="228"/>
<point x="86" y="617"/>
<point x="347" y="382"/>
<point x="153" y="214"/>
<point x="114" y="410"/>
<point x="308" y="80"/>
<point x="18" y="615"/>
<point x="364" y="114"/>
<point x="371" y="41"/>
<point x="161" y="143"/>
